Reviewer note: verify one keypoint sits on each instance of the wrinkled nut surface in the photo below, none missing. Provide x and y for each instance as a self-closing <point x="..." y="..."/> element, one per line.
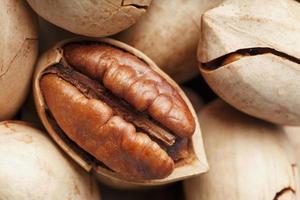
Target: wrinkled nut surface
<point x="19" y="48"/>
<point x="249" y="159"/>
<point x="33" y="168"/>
<point x="89" y="17"/>
<point x="118" y="109"/>
<point x="251" y="58"/>
<point x="168" y="33"/>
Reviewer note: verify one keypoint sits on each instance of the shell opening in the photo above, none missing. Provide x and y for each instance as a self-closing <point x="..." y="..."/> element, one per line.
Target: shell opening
<point x="242" y="53"/>
<point x="138" y="6"/>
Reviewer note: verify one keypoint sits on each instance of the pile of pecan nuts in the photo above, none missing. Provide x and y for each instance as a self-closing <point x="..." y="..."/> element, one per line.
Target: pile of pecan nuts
<point x="150" y="99"/>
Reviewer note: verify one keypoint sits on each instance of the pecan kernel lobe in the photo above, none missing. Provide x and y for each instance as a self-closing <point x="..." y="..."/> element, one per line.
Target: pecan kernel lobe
<point x="93" y="126"/>
<point x="104" y="63"/>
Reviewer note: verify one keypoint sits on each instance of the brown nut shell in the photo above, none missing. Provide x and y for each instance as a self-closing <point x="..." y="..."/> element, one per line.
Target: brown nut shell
<point x="249" y="158"/>
<point x="91" y="18"/>
<point x="19" y="48"/>
<point x="252" y="59"/>
<point x="194" y="164"/>
<point x="169" y="33"/>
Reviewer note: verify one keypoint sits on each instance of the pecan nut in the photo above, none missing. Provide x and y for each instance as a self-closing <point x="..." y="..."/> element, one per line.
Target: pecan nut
<point x="251" y="59"/>
<point x="119" y="110"/>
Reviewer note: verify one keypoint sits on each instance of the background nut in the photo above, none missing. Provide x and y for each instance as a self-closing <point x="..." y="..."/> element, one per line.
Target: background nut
<point x="169" y="33"/>
<point x="19" y="48"/>
<point x="250" y="57"/>
<point x="33" y="168"/>
<point x="249" y="158"/>
<point x="91" y="18"/>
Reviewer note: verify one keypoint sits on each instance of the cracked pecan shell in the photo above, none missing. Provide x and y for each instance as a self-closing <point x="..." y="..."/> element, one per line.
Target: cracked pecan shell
<point x="251" y="58"/>
<point x="116" y="110"/>
<point x="91" y="18"/>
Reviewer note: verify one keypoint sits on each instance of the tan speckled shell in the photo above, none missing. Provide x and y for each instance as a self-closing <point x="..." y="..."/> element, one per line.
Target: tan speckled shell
<point x="266" y="85"/>
<point x="293" y="133"/>
<point x="33" y="168"/>
<point x="91" y="18"/>
<point x="249" y="159"/>
<point x="168" y="33"/>
<point x="19" y="48"/>
<point x="192" y="166"/>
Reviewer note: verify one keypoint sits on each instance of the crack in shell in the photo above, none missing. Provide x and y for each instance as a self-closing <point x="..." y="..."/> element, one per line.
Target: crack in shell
<point x="138" y="6"/>
<point x="3" y="71"/>
<point x="283" y="192"/>
<point x="219" y="62"/>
